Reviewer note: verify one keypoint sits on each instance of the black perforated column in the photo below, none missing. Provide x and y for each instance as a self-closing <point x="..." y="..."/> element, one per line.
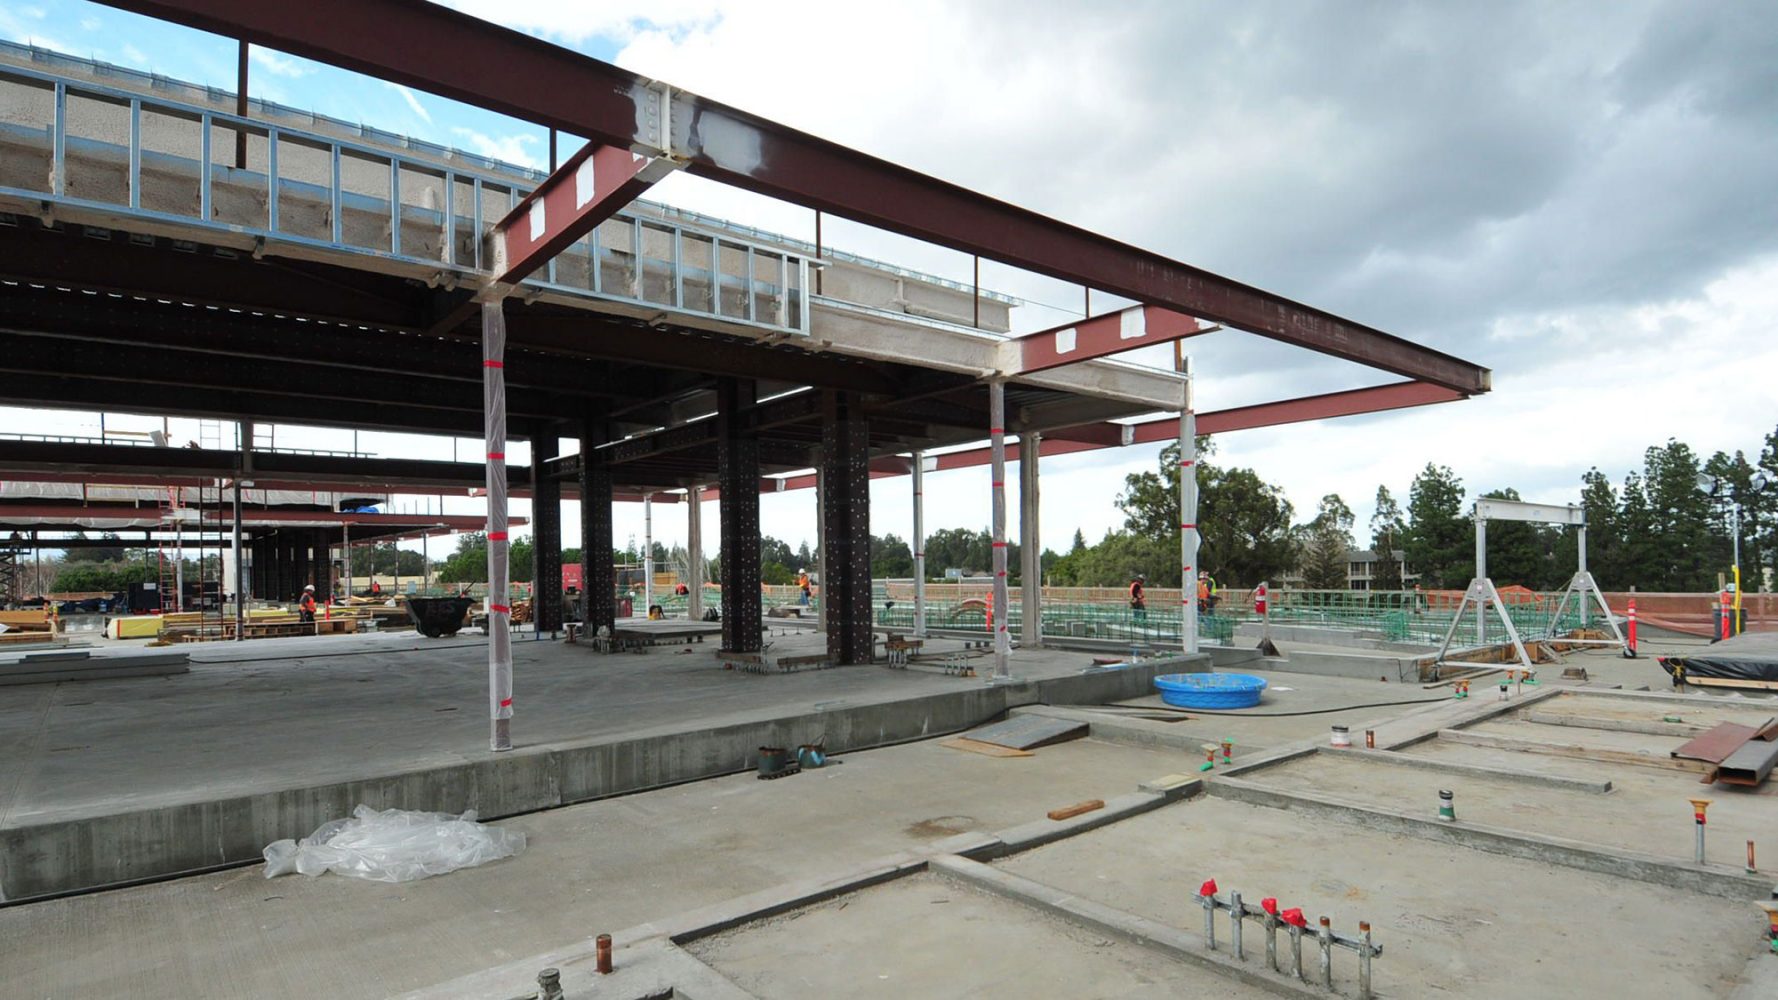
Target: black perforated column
<point x="737" y="460"/>
<point x="546" y="520"/>
<point x="598" y="582"/>
<point x="845" y="514"/>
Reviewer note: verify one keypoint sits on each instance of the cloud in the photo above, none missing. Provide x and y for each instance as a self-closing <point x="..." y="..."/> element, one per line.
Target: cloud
<point x="508" y="148"/>
<point x="279" y="65"/>
<point x="20" y="25"/>
<point x="576" y="21"/>
<point x="413" y="102"/>
<point x="90" y="23"/>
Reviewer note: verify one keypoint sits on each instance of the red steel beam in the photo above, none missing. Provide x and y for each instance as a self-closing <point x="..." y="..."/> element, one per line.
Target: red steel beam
<point x="1347" y="403"/>
<point x="590" y="188"/>
<point x="457" y="56"/>
<point x="73" y="511"/>
<point x="1112" y="333"/>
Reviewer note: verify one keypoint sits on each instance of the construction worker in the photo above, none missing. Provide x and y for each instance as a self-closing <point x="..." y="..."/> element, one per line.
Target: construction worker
<point x="305" y="608"/>
<point x="802" y="581"/>
<point x="1206" y="592"/>
<point x="1138" y="598"/>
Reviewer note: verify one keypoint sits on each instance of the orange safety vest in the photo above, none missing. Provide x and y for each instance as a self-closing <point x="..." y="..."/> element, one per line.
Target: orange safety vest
<point x="1136" y="590"/>
<point x="308" y="602"/>
<point x="1203" y="589"/>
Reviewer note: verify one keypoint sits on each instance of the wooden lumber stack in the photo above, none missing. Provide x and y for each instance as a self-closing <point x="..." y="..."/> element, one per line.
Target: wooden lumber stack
<point x="24" y="627"/>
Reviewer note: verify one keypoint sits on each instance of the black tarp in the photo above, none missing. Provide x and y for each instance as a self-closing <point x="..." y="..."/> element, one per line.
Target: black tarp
<point x="1751" y="656"/>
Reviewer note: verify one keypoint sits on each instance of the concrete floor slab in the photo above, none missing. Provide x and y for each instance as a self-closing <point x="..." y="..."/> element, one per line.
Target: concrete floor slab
<point x="111" y="781"/>
<point x="597" y="867"/>
<point x="922" y="936"/>
<point x="1453" y="922"/>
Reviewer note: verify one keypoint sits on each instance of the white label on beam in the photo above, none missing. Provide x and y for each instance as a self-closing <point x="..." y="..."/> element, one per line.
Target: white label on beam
<point x="583" y="183"/>
<point x="1518" y="510"/>
<point x="537" y="220"/>
<point x="1065" y="340"/>
<point x="1132" y="324"/>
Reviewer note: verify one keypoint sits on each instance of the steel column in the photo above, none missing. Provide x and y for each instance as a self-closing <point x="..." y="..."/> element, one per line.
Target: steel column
<point x="546" y="533"/>
<point x="694" y="552"/>
<point x="997" y="477"/>
<point x="499" y="604"/>
<point x="1030" y="545"/>
<point x="647" y="553"/>
<point x="919" y="542"/>
<point x="241" y="585"/>
<point x="737" y="460"/>
<point x="845" y="519"/>
<point x="598" y="586"/>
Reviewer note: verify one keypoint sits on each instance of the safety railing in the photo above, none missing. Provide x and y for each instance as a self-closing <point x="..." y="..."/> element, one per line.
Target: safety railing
<point x="70" y="143"/>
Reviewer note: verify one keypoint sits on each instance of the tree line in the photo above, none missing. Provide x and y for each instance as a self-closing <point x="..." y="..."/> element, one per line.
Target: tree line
<point x="1657" y="531"/>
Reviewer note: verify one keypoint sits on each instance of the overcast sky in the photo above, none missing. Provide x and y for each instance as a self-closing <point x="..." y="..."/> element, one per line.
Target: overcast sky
<point x="1578" y="196"/>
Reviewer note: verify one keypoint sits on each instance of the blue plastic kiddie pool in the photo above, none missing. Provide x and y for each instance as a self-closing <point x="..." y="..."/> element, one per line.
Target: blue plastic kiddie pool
<point x="1210" y="690"/>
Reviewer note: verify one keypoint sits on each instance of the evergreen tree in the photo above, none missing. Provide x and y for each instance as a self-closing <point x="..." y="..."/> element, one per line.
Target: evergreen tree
<point x="1635" y="524"/>
<point x="1681" y="518"/>
<point x="1328" y="543"/>
<point x="1439" y="540"/>
<point x="1386" y="532"/>
<point x="1605" y="538"/>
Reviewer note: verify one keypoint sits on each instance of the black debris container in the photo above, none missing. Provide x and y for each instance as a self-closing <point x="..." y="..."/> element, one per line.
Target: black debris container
<point x="436" y="616"/>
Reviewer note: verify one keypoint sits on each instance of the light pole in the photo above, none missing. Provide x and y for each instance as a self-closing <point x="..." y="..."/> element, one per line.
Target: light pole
<point x="1713" y="487"/>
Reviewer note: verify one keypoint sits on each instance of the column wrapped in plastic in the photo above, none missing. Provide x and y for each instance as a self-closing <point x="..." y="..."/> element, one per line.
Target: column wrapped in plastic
<point x="1188" y="518"/>
<point x="997" y="447"/>
<point x="499" y="610"/>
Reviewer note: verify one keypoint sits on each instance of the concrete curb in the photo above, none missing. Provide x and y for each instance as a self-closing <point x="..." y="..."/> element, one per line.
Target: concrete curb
<point x="1141" y="931"/>
<point x="1494" y="840"/>
<point x="646" y="970"/>
<point x="1468" y="716"/>
<point x="1037" y="833"/>
<point x="1121" y="729"/>
<point x="1472" y="770"/>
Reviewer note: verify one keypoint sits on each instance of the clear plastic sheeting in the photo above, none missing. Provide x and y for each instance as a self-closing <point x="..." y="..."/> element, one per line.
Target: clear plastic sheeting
<point x="393" y="845"/>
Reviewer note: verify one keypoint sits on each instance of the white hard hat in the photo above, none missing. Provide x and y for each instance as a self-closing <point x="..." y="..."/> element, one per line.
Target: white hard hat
<point x="309" y="587"/>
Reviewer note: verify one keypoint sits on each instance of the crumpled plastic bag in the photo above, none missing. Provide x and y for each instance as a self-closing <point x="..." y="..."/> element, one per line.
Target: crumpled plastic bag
<point x="393" y="845"/>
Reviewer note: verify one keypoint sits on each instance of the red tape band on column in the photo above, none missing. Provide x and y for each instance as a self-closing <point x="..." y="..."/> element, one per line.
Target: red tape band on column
<point x="496" y="456"/>
<point x="506" y="703"/>
<point x="496" y="536"/>
<point x="997" y="483"/>
<point x="493" y="364"/>
<point x="1186" y="464"/>
<point x="503" y="609"/>
<point x="996" y="430"/>
<point x="1183" y="526"/>
<point x="999" y="545"/>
